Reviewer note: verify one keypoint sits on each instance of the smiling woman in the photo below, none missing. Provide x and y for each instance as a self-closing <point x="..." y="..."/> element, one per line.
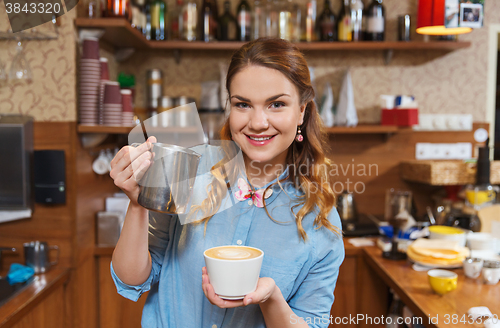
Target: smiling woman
<point x="263" y="119"/>
<point x="274" y="121"/>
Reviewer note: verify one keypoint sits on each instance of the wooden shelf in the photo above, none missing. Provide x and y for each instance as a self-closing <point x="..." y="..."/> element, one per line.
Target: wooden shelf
<point x="366" y="129"/>
<point x="360" y="129"/>
<point x="118" y="33"/>
<point x="126" y="129"/>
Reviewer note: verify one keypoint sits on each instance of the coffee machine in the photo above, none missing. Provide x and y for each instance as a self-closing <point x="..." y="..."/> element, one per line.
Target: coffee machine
<point x="353" y="223"/>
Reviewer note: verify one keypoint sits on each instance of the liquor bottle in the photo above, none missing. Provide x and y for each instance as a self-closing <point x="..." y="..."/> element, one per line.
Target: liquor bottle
<point x="344" y="22"/>
<point x="272" y="19"/>
<point x="357" y="20"/>
<point x="117" y="8"/>
<point x="244" y="21"/>
<point x="296" y="23"/>
<point x="158" y="15"/>
<point x="227" y="24"/>
<point x="208" y="21"/>
<point x="311" y="31"/>
<point x="364" y="23"/>
<point x="146" y="28"/>
<point x="189" y="20"/>
<point x="285" y="20"/>
<point x="375" y="20"/>
<point x="258" y="20"/>
<point x="176" y="21"/>
<point x="136" y="13"/>
<point x="327" y="24"/>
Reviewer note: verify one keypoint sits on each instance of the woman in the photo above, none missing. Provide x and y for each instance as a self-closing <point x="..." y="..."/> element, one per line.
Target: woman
<point x="273" y="119"/>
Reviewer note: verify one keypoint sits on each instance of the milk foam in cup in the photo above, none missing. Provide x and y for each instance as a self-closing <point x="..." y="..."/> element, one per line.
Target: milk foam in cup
<point x="233" y="270"/>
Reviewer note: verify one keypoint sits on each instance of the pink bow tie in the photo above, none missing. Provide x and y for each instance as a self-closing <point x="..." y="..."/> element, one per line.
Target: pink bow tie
<point x="246" y="192"/>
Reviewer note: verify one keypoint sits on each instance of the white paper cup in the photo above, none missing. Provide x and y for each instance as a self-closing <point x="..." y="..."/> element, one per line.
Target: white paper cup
<point x="233" y="279"/>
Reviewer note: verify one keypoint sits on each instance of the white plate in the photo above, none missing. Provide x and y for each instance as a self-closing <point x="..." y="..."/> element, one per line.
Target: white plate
<point x="436" y="266"/>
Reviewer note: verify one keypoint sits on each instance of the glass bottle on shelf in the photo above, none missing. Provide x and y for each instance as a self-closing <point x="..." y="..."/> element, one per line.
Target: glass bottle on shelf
<point x="189" y="20"/>
<point x="227" y="24"/>
<point x="136" y="14"/>
<point x="364" y="23"/>
<point x="92" y="9"/>
<point x="310" y="27"/>
<point x="244" y="19"/>
<point x="357" y="20"/>
<point x="344" y="22"/>
<point x="296" y="23"/>
<point x="375" y="21"/>
<point x="176" y="21"/>
<point x="158" y="15"/>
<point x="272" y="19"/>
<point x="208" y="21"/>
<point x="117" y="8"/>
<point x="258" y="20"/>
<point x="146" y="28"/>
<point x="285" y="20"/>
<point x="327" y="24"/>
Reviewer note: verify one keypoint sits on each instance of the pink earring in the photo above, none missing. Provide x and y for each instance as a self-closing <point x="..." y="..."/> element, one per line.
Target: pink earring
<point x="299" y="137"/>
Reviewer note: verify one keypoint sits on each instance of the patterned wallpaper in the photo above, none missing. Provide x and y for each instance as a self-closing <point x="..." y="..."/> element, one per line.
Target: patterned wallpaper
<point x="452" y="83"/>
<point x="51" y="96"/>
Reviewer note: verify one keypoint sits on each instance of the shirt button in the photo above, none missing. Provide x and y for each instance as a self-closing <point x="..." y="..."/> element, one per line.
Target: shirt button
<point x="250" y="202"/>
<point x="214" y="326"/>
<point x="239" y="242"/>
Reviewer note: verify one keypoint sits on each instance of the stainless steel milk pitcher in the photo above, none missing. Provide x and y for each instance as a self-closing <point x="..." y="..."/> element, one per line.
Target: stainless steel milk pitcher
<point x="36" y="256"/>
<point x="167" y="186"/>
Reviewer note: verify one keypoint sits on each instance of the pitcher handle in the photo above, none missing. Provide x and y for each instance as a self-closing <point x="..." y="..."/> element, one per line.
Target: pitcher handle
<point x="58" y="252"/>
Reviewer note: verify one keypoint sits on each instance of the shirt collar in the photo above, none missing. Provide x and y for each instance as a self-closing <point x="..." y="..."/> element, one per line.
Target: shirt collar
<point x="276" y="188"/>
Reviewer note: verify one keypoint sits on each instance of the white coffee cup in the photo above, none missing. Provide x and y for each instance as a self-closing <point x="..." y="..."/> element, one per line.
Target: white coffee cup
<point x="233" y="276"/>
<point x="491" y="272"/>
<point x="472" y="267"/>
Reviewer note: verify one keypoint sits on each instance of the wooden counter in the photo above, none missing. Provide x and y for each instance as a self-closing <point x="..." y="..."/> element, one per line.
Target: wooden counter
<point x="414" y="290"/>
<point x="25" y="308"/>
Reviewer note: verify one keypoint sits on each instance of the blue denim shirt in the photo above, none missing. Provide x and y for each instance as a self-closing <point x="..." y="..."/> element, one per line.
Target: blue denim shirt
<point x="306" y="272"/>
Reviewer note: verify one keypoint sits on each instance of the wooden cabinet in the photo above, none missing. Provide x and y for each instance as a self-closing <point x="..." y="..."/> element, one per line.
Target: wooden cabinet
<point x="345" y="293"/>
<point x="359" y="291"/>
<point x="43" y="303"/>
<point x="47" y="314"/>
<point x="116" y="311"/>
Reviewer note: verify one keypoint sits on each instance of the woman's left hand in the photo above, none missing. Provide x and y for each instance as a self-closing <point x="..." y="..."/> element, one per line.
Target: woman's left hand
<point x="265" y="289"/>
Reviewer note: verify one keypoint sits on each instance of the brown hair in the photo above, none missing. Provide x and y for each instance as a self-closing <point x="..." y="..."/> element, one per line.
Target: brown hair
<point x="286" y="58"/>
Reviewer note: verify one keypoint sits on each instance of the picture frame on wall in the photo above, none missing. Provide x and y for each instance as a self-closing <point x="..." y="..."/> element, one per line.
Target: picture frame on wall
<point x="471" y="15"/>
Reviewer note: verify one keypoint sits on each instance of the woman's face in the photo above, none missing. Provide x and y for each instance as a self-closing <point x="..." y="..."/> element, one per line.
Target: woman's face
<point x="265" y="113"/>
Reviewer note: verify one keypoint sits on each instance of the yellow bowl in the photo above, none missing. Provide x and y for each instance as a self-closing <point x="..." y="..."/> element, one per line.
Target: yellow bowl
<point x="448" y="233"/>
<point x="442" y="281"/>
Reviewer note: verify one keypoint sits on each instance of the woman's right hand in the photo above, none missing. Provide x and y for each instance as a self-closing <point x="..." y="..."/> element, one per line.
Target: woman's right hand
<point x="129" y="166"/>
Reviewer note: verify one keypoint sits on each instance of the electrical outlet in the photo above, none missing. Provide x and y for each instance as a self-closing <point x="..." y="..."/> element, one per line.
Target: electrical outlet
<point x="460" y="150"/>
